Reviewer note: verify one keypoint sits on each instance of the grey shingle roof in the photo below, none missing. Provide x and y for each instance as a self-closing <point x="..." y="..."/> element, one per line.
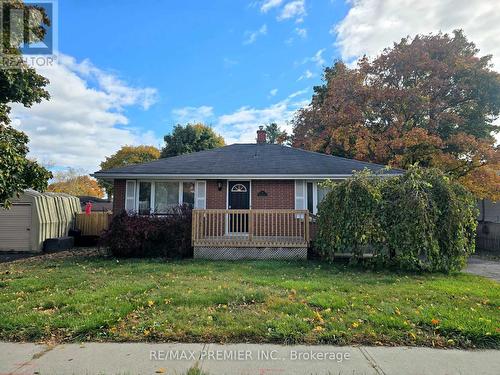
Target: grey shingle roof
<point x="249" y="159"/>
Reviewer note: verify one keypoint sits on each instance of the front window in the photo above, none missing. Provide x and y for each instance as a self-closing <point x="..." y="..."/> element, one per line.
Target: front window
<point x="314" y="194"/>
<point x="144" y="198"/>
<point x="160" y="197"/>
<point x="188" y="193"/>
<point x="310" y="197"/>
<point x="166" y="196"/>
<point x="322" y="192"/>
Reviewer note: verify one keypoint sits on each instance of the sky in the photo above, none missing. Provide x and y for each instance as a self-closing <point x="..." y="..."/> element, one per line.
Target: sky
<point x="128" y="71"/>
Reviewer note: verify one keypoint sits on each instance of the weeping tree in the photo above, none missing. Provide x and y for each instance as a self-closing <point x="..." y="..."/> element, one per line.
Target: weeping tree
<point x="429" y="221"/>
<point x="420" y="221"/>
<point x="347" y="216"/>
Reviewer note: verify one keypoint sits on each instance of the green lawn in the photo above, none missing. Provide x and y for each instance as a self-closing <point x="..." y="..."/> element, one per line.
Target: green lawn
<point x="77" y="299"/>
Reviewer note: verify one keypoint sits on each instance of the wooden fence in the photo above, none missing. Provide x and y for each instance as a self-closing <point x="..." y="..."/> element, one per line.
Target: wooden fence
<point x="93" y="224"/>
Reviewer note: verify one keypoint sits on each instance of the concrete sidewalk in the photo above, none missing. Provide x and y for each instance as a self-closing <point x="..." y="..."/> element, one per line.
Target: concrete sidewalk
<point x="248" y="359"/>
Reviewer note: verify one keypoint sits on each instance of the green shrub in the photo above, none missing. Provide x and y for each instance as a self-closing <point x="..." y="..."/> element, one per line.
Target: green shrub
<point x="419" y="221"/>
<point x="347" y="217"/>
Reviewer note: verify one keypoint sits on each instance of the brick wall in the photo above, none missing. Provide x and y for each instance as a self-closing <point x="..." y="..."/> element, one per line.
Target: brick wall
<point x="280" y="194"/>
<point x="118" y="196"/>
<point x="216" y="198"/>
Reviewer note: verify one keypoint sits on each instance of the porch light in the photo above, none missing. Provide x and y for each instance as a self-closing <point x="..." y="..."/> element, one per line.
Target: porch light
<point x="219" y="185"/>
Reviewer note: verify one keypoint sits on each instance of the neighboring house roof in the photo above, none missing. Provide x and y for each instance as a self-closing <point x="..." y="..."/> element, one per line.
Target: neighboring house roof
<point x="98" y="204"/>
<point x="89" y="198"/>
<point x="247" y="160"/>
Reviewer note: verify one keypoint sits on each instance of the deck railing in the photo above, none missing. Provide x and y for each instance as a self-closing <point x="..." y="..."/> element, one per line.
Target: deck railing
<point x="240" y="228"/>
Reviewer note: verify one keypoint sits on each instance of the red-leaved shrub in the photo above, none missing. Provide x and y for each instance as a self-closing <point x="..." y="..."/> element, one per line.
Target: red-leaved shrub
<point x="138" y="236"/>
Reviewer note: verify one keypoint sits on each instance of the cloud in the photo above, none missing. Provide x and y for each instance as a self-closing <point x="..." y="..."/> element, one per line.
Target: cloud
<point x="317" y="59"/>
<point x="240" y="126"/>
<point x="193" y="114"/>
<point x="228" y="63"/>
<point x="118" y="91"/>
<point x="306" y="75"/>
<point x="294" y="9"/>
<point x="298" y="93"/>
<point x="273" y="92"/>
<point x="251" y="36"/>
<point x="372" y="25"/>
<point x="302" y="32"/>
<point x="84" y="120"/>
<point x="269" y="4"/>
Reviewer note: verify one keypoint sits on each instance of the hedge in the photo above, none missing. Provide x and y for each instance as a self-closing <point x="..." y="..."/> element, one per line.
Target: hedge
<point x="419" y="221"/>
<point x="168" y="236"/>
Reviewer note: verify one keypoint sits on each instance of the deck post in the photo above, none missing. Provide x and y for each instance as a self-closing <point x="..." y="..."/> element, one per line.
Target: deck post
<point x="194" y="226"/>
<point x="306" y="228"/>
<point x="250" y="225"/>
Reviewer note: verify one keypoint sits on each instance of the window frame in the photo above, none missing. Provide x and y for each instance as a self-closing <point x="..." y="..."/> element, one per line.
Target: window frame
<point x="301" y="200"/>
<point x="138" y="192"/>
<point x="317" y="196"/>
<point x="131" y="195"/>
<point x="153" y="190"/>
<point x="314" y="196"/>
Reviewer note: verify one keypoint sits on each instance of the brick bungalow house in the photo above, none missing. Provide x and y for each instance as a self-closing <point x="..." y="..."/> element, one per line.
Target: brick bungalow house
<point x="250" y="200"/>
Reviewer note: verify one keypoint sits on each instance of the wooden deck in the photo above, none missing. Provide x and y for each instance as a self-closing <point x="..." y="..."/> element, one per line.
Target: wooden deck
<point x="250" y="228"/>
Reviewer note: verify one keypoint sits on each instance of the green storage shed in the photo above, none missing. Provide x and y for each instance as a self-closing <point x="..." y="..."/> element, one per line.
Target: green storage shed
<point x="35" y="217"/>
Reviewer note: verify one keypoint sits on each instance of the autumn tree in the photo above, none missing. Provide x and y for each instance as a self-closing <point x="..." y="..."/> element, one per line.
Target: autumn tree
<point x="429" y="100"/>
<point x="73" y="182"/>
<point x="190" y="138"/>
<point x="275" y="135"/>
<point x="125" y="156"/>
<point x="19" y="85"/>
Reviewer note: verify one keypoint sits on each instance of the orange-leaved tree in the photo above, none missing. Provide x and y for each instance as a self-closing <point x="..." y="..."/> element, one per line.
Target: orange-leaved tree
<point x="73" y="183"/>
<point x="125" y="156"/>
<point x="429" y="100"/>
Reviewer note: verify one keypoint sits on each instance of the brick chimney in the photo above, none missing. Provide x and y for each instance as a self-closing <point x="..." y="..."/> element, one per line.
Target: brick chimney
<point x="261" y="135"/>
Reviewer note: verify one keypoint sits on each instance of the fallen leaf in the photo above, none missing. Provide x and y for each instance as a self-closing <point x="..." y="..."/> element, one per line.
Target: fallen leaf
<point x="319" y="318"/>
<point x="318" y="329"/>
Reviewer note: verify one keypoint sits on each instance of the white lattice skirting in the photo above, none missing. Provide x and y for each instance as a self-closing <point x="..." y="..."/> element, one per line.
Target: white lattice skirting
<point x="239" y="253"/>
